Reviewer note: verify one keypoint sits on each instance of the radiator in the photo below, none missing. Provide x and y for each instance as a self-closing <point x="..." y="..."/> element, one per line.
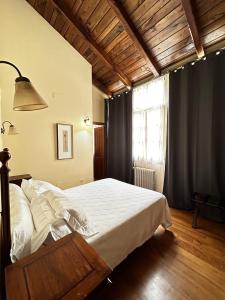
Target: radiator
<point x="144" y="177"/>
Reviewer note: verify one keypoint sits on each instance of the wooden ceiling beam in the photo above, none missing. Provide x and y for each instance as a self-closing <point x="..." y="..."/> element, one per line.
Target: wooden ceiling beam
<point x="61" y="7"/>
<point x="100" y="86"/>
<point x="132" y="31"/>
<point x="188" y="10"/>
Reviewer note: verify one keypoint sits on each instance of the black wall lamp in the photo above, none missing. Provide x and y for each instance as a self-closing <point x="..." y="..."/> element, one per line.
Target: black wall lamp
<point x="26" y="98"/>
<point x="12" y="129"/>
<point x="87" y="121"/>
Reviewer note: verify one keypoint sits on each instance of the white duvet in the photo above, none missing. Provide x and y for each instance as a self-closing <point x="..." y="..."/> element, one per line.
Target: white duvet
<point x="125" y="216"/>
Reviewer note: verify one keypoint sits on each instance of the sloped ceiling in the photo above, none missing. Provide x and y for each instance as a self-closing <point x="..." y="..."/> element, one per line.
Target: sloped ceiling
<point x="128" y="40"/>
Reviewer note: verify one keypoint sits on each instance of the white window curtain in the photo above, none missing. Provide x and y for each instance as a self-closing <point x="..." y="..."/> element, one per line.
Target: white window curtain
<point x="150" y="107"/>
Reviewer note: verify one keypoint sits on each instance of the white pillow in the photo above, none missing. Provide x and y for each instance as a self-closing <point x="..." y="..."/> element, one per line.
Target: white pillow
<point x="47" y="225"/>
<point x="42" y="213"/>
<point x="33" y="188"/>
<point x="21" y="223"/>
<point x="68" y="209"/>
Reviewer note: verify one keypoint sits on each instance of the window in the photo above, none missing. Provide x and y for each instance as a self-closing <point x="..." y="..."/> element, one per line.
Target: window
<point x="149" y="122"/>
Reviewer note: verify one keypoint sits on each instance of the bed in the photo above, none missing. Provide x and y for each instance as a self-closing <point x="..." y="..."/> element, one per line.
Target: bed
<point x="125" y="216"/>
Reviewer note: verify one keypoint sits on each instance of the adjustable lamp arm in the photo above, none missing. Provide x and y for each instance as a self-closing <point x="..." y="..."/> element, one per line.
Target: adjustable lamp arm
<point x="6" y="122"/>
<point x="9" y="63"/>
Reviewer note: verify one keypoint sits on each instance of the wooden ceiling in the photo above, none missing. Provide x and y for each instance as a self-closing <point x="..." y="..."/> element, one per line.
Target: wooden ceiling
<point x="128" y="40"/>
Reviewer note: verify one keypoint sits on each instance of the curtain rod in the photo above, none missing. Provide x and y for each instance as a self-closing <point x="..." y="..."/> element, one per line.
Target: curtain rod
<point x="190" y="59"/>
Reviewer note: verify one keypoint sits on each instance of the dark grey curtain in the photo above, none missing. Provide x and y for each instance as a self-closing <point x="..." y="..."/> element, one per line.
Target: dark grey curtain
<point x="196" y="132"/>
<point x="118" y="114"/>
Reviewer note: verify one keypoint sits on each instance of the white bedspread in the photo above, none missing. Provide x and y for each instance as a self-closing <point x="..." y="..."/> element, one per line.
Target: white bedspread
<point x="125" y="216"/>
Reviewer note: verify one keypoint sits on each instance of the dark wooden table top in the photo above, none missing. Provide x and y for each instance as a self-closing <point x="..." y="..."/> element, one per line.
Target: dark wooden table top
<point x="67" y="269"/>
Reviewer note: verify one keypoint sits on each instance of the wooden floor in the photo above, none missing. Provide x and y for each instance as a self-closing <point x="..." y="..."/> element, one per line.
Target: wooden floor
<point x="179" y="263"/>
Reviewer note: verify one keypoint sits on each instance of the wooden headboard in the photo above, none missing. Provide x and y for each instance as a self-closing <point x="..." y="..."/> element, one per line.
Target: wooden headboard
<point x="5" y="217"/>
<point x="5" y="214"/>
<point x="18" y="179"/>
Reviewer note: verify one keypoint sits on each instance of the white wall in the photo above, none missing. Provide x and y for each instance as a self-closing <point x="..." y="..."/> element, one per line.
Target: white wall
<point x="63" y="78"/>
<point x="98" y="105"/>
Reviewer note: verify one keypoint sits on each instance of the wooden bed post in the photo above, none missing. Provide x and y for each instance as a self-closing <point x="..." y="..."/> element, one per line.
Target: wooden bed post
<point x="5" y="216"/>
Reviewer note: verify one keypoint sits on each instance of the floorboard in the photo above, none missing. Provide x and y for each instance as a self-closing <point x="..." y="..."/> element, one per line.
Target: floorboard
<point x="180" y="263"/>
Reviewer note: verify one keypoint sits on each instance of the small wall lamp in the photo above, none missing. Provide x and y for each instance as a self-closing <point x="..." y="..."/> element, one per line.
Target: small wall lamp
<point x="26" y="98"/>
<point x="87" y="121"/>
<point x="12" y="129"/>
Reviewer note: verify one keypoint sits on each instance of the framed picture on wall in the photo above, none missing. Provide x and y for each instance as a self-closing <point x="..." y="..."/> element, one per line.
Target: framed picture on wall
<point x="64" y="141"/>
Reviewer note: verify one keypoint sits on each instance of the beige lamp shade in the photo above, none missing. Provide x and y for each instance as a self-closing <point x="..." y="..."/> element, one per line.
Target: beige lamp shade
<point x="12" y="130"/>
<point x="26" y="98"/>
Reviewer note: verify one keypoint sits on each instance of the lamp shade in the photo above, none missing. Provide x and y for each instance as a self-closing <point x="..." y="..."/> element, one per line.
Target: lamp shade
<point x="12" y="130"/>
<point x="26" y="97"/>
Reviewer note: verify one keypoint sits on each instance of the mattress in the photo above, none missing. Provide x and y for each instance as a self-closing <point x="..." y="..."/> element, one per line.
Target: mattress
<point x="125" y="216"/>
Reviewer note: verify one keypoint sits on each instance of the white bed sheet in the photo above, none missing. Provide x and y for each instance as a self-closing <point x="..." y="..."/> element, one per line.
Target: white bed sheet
<point x="125" y="216"/>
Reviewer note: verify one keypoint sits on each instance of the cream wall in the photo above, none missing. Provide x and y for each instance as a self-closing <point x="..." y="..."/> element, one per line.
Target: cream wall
<point x="98" y="105"/>
<point x="63" y="78"/>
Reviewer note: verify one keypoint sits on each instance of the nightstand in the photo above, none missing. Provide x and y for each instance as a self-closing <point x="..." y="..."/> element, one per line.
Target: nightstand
<point x="66" y="269"/>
